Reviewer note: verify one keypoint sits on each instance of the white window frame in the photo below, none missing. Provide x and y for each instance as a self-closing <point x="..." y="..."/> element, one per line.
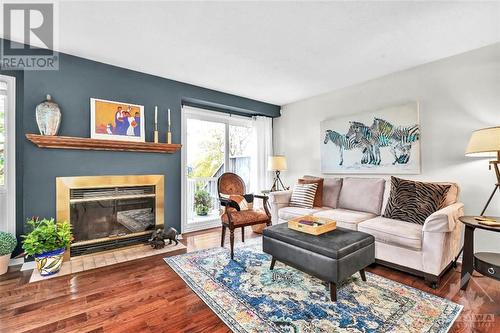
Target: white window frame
<point x="189" y="112"/>
<point x="9" y="189"/>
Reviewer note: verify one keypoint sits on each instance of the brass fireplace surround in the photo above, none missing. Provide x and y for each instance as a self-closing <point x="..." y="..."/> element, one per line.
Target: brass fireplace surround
<point x="65" y="184"/>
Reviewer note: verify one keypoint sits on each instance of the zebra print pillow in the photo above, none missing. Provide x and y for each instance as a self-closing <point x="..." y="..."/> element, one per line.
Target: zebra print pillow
<point x="303" y="195"/>
<point x="412" y="201"/>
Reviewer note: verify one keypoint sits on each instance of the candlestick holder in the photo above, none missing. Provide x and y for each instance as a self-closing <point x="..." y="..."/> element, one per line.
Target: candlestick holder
<point x="156" y="133"/>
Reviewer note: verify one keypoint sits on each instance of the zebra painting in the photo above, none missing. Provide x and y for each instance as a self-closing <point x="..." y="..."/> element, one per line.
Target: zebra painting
<point x="341" y="141"/>
<point x="362" y="135"/>
<point x="384" y="141"/>
<point x="399" y="138"/>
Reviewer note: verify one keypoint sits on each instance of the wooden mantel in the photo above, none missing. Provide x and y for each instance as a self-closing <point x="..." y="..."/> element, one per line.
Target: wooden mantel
<point x="68" y="142"/>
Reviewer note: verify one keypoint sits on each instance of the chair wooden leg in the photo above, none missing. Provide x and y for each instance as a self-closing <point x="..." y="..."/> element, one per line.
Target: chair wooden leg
<point x="363" y="275"/>
<point x="243" y="234"/>
<point x="333" y="292"/>
<point x="223" y="235"/>
<point x="231" y="242"/>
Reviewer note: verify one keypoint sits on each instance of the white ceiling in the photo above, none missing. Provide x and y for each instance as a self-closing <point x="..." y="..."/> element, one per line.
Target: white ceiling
<point x="277" y="52"/>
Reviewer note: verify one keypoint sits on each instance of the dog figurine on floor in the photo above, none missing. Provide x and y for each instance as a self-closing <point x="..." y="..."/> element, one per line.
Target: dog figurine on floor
<point x="157" y="240"/>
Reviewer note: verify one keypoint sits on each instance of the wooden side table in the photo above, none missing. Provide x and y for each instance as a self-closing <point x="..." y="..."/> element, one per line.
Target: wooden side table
<point x="486" y="263"/>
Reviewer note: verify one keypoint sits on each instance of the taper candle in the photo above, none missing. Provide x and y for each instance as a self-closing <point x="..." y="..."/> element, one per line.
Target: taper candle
<point x="155" y="133"/>
<point x="169" y="133"/>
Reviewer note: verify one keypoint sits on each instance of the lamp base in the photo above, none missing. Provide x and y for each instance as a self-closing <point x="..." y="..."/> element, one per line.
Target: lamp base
<point x="277" y="182"/>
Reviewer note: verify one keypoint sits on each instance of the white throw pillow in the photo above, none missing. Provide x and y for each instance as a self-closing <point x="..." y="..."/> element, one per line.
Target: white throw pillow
<point x="303" y="195"/>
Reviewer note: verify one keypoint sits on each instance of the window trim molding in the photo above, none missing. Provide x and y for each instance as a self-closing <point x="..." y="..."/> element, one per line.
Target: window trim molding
<point x="10" y="156"/>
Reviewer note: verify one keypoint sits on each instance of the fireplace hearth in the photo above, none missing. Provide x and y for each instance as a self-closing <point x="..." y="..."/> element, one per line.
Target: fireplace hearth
<point x="109" y="212"/>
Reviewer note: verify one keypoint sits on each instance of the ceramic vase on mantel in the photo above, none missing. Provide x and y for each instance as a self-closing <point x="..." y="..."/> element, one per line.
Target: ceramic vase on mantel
<point x="48" y="117"/>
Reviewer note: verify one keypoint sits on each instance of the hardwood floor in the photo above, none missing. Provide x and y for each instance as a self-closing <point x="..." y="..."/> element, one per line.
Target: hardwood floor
<point x="145" y="295"/>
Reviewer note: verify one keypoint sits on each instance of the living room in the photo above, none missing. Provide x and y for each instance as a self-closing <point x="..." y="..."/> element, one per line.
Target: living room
<point x="310" y="166"/>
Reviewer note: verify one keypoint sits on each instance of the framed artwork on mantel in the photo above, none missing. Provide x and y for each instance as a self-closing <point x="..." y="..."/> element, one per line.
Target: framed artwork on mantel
<point x="111" y="120"/>
<point x="384" y="141"/>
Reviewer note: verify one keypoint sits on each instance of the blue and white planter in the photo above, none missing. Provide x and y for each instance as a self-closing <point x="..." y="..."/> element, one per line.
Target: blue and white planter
<point x="49" y="263"/>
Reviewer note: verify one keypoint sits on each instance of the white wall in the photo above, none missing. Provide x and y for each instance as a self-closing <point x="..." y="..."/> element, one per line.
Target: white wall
<point x="457" y="95"/>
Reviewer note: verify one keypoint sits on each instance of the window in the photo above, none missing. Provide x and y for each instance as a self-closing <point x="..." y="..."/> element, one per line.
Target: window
<point x="213" y="143"/>
<point x="3" y="99"/>
<point x="240" y="152"/>
<point x="7" y="154"/>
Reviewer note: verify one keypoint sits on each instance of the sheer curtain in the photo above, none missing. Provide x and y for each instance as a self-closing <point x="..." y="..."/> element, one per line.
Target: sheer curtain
<point x="263" y="147"/>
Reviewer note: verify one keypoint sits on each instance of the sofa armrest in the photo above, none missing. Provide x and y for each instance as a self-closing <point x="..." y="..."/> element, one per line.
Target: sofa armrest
<point x="278" y="200"/>
<point x="445" y="219"/>
<point x="442" y="232"/>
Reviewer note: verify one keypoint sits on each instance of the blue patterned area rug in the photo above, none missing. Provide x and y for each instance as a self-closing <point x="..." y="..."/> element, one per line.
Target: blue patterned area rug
<point x="249" y="297"/>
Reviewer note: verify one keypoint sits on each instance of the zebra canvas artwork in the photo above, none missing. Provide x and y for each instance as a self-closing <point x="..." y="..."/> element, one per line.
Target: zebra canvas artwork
<point x="385" y="141"/>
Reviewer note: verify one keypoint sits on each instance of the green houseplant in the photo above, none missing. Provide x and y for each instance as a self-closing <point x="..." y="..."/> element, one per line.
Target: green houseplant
<point x="47" y="242"/>
<point x="7" y="244"/>
<point x="202" y="202"/>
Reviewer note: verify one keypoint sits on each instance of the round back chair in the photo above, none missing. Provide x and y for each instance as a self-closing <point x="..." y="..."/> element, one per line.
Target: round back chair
<point x="231" y="183"/>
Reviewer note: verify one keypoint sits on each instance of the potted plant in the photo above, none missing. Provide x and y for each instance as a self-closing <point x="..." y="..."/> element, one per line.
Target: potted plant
<point x="7" y="244"/>
<point x="202" y="202"/>
<point x="47" y="242"/>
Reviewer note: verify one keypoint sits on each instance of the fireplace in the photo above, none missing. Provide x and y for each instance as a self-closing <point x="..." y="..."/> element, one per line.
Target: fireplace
<point x="108" y="212"/>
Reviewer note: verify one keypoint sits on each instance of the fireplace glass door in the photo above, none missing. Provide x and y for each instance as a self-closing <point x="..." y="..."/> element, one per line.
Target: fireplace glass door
<point x="109" y="213"/>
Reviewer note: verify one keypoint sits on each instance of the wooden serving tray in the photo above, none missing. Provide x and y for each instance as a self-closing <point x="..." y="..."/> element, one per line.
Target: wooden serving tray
<point x="312" y="225"/>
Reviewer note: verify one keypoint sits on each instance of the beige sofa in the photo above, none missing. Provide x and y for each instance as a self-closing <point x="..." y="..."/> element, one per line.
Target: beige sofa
<point x="358" y="203"/>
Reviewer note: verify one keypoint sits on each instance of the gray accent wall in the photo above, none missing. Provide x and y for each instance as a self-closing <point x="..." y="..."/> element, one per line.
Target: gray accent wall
<point x="76" y="81"/>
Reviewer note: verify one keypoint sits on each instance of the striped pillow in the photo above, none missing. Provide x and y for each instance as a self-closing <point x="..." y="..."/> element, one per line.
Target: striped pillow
<point x="303" y="195"/>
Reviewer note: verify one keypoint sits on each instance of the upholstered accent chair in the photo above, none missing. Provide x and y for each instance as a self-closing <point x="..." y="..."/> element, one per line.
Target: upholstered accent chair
<point x="230" y="187"/>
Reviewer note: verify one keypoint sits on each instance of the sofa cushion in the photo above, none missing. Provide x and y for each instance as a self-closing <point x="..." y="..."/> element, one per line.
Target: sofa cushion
<point x="413" y="201"/>
<point x="394" y="232"/>
<point x="331" y="190"/>
<point x="318" y="197"/>
<point x="345" y="218"/>
<point x="362" y="194"/>
<point x="288" y="213"/>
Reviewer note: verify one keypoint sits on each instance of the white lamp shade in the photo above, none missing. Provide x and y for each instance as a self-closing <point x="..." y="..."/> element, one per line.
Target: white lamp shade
<point x="484" y="142"/>
<point x="276" y="163"/>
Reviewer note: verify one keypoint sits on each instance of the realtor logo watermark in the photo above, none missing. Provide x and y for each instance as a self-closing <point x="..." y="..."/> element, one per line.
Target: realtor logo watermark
<point x="29" y="32"/>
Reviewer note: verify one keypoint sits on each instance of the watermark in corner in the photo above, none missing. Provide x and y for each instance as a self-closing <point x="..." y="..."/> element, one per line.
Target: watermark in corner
<point x="30" y="35"/>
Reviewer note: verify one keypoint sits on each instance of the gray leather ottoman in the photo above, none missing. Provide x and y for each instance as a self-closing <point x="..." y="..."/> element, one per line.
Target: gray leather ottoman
<point x="332" y="256"/>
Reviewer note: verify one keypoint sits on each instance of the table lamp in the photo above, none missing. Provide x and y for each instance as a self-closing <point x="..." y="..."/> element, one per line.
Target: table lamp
<point x="277" y="164"/>
<point x="486" y="143"/>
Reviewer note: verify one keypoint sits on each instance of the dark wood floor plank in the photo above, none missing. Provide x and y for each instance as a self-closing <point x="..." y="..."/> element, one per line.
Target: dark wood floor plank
<point x="146" y="295"/>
